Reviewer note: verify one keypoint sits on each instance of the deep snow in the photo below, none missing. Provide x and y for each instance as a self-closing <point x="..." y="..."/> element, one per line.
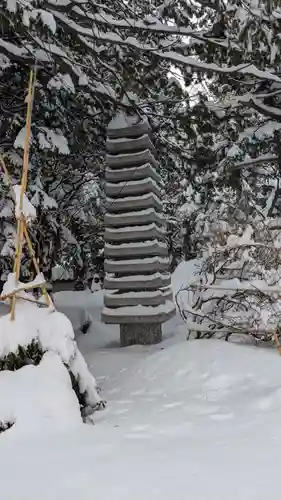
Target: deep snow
<point x="196" y="420"/>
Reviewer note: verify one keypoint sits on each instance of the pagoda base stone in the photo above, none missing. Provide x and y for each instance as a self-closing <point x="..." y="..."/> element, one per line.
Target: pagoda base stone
<point x="141" y="333"/>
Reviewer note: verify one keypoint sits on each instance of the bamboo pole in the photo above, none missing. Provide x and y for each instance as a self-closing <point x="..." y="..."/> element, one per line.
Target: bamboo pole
<point x="5" y="170"/>
<point x="30" y="98"/>
<point x="22" y="232"/>
<point x="27" y="286"/>
<point x="19" y="239"/>
<point x="35" y="263"/>
<point x="276" y="341"/>
<point x="17" y="262"/>
<point x="27" y="299"/>
<point x="48" y="300"/>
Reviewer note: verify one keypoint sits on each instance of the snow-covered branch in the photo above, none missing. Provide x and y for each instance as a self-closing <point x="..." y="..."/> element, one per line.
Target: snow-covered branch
<point x="95" y="34"/>
<point x="252" y="162"/>
<point x="270" y="111"/>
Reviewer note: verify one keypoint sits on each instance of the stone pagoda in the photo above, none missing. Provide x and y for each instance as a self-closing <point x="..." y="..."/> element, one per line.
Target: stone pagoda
<point x="138" y="295"/>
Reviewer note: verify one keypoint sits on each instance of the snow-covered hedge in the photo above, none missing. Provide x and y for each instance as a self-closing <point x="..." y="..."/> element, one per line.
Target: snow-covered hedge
<point x="36" y="332"/>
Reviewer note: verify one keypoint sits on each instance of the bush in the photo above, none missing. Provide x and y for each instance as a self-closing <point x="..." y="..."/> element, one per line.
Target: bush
<point x="32" y="354"/>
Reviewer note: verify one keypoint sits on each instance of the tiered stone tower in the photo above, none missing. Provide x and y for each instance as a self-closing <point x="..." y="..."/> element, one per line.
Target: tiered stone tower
<point x="138" y="295"/>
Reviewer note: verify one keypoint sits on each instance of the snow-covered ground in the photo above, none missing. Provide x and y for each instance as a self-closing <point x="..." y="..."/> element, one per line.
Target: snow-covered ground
<point x="196" y="420"/>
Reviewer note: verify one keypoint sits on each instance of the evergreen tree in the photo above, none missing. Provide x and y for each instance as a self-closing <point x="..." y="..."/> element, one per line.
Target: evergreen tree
<point x="92" y="59"/>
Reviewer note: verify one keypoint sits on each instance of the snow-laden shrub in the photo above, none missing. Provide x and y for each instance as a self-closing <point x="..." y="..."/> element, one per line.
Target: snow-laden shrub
<point x="37" y="331"/>
<point x="25" y="355"/>
<point x="38" y="398"/>
<point x="239" y="288"/>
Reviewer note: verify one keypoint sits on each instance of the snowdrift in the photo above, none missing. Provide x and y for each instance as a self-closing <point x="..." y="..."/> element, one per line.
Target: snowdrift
<point x="200" y="418"/>
<point x="199" y="378"/>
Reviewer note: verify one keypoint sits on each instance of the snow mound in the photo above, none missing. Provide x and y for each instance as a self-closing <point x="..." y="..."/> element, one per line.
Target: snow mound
<point x="39" y="397"/>
<point x="76" y="306"/>
<point x="54" y="333"/>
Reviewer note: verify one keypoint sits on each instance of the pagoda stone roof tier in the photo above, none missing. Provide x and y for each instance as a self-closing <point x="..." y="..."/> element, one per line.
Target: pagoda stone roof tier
<point x="136" y="249"/>
<point x="126" y="145"/>
<point x="132" y="173"/>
